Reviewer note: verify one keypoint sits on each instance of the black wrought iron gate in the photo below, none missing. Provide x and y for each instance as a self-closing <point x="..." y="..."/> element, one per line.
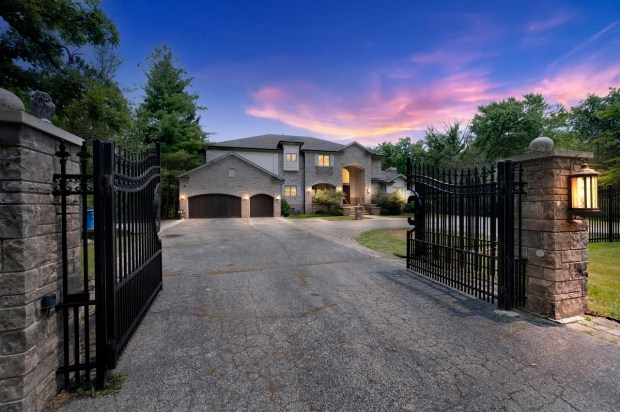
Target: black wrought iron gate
<point x="466" y="230"/>
<point x="124" y="191"/>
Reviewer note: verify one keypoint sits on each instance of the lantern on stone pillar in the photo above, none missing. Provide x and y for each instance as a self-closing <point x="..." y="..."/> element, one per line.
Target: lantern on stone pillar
<point x="584" y="191"/>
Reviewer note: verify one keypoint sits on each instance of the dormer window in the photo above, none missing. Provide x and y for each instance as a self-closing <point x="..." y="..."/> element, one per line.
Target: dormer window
<point x="291" y="157"/>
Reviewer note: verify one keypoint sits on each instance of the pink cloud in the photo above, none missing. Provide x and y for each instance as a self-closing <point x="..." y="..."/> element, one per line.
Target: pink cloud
<point x="375" y="115"/>
<point x="571" y="85"/>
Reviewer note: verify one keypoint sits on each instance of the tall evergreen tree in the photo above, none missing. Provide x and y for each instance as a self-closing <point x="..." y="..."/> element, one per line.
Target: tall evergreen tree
<point x="168" y="115"/>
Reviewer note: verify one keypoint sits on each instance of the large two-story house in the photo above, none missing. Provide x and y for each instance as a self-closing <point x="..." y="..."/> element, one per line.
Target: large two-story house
<point x="248" y="177"/>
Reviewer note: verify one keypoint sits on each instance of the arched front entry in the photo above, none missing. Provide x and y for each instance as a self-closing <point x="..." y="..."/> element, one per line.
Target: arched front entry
<point x="261" y="206"/>
<point x="353" y="180"/>
<point x="214" y="206"/>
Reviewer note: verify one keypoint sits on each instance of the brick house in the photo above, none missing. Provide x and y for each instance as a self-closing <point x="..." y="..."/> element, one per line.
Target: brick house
<point x="248" y="177"/>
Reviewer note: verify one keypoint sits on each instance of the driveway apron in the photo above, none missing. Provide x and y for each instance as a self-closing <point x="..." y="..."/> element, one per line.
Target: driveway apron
<point x="269" y="314"/>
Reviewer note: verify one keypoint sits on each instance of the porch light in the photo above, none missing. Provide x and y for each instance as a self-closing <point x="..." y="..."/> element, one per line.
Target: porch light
<point x="368" y="189"/>
<point x="278" y="197"/>
<point x="182" y="197"/>
<point x="246" y="197"/>
<point x="584" y="191"/>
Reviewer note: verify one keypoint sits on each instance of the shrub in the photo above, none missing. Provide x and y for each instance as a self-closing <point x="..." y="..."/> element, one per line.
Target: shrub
<point x="330" y="198"/>
<point x="390" y="203"/>
<point x="408" y="208"/>
<point x="285" y="208"/>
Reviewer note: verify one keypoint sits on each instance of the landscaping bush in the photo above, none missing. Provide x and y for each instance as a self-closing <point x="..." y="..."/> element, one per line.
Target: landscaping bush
<point x="285" y="208"/>
<point x="329" y="198"/>
<point x="390" y="203"/>
<point x="408" y="208"/>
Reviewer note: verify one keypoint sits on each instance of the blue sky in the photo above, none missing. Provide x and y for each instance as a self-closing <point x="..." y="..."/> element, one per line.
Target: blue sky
<point x="370" y="71"/>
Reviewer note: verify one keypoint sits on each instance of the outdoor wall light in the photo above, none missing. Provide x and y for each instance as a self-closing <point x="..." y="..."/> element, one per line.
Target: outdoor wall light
<point x="182" y="197"/>
<point x="584" y="191"/>
<point x="246" y="197"/>
<point x="278" y="197"/>
<point x="368" y="190"/>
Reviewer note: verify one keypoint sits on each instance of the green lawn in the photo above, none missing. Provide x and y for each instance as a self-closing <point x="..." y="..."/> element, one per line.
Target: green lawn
<point x="392" y="241"/>
<point x="604" y="267"/>
<point x="604" y="279"/>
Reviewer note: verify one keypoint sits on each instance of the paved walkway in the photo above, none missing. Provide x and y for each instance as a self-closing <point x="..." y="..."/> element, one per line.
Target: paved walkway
<point x="276" y="315"/>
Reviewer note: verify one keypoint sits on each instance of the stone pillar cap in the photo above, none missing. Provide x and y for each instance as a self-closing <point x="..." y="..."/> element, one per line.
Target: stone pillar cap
<point x="10" y="102"/>
<point x="541" y="144"/>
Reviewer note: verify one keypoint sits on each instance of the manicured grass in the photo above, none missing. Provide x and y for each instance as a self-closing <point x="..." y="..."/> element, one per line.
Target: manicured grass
<point x="604" y="279"/>
<point x="392" y="241"/>
<point x="604" y="267"/>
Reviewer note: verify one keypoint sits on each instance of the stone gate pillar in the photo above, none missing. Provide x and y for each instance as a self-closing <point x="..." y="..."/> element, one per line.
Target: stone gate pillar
<point x="555" y="242"/>
<point x="30" y="255"/>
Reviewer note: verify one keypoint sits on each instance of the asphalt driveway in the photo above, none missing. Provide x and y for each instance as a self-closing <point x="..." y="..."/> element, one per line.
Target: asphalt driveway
<point x="292" y="315"/>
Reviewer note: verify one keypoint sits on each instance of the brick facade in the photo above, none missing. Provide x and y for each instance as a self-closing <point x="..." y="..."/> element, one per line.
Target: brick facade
<point x="355" y="157"/>
<point x="216" y="177"/>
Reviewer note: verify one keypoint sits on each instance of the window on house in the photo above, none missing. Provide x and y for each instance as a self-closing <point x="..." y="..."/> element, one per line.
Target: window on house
<point x="290" y="191"/>
<point x="291" y="157"/>
<point x="323" y="160"/>
<point x="231" y="172"/>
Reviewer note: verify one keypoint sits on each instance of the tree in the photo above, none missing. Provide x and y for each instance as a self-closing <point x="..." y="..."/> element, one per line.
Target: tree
<point x="396" y="154"/>
<point x="506" y="128"/>
<point x="101" y="111"/>
<point x="40" y="43"/>
<point x="168" y="115"/>
<point x="596" y="121"/>
<point x="445" y="150"/>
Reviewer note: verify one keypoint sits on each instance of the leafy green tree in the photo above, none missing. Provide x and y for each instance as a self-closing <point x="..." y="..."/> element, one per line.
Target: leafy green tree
<point x="396" y="154"/>
<point x="596" y="121"/>
<point x="168" y="115"/>
<point x="506" y="128"/>
<point x="101" y="111"/>
<point x="40" y="45"/>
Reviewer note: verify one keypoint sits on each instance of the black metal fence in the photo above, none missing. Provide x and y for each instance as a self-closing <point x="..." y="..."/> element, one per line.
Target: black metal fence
<point x="115" y="294"/>
<point x="466" y="230"/>
<point x="605" y="227"/>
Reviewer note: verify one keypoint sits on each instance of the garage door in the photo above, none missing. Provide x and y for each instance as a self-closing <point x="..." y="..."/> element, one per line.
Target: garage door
<point x="261" y="206"/>
<point x="212" y="206"/>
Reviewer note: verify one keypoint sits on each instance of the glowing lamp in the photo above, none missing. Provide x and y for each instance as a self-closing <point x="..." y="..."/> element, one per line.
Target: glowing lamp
<point x="182" y="197"/>
<point x="584" y="191"/>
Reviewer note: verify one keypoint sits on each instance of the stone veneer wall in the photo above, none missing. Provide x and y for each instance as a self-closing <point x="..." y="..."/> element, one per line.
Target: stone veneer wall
<point x="555" y="241"/>
<point x="30" y="255"/>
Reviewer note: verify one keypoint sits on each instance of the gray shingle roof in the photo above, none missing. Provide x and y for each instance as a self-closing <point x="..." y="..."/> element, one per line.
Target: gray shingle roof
<point x="270" y="142"/>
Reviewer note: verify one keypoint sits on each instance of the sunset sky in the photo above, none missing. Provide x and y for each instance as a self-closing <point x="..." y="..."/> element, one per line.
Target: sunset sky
<point x="370" y="71"/>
